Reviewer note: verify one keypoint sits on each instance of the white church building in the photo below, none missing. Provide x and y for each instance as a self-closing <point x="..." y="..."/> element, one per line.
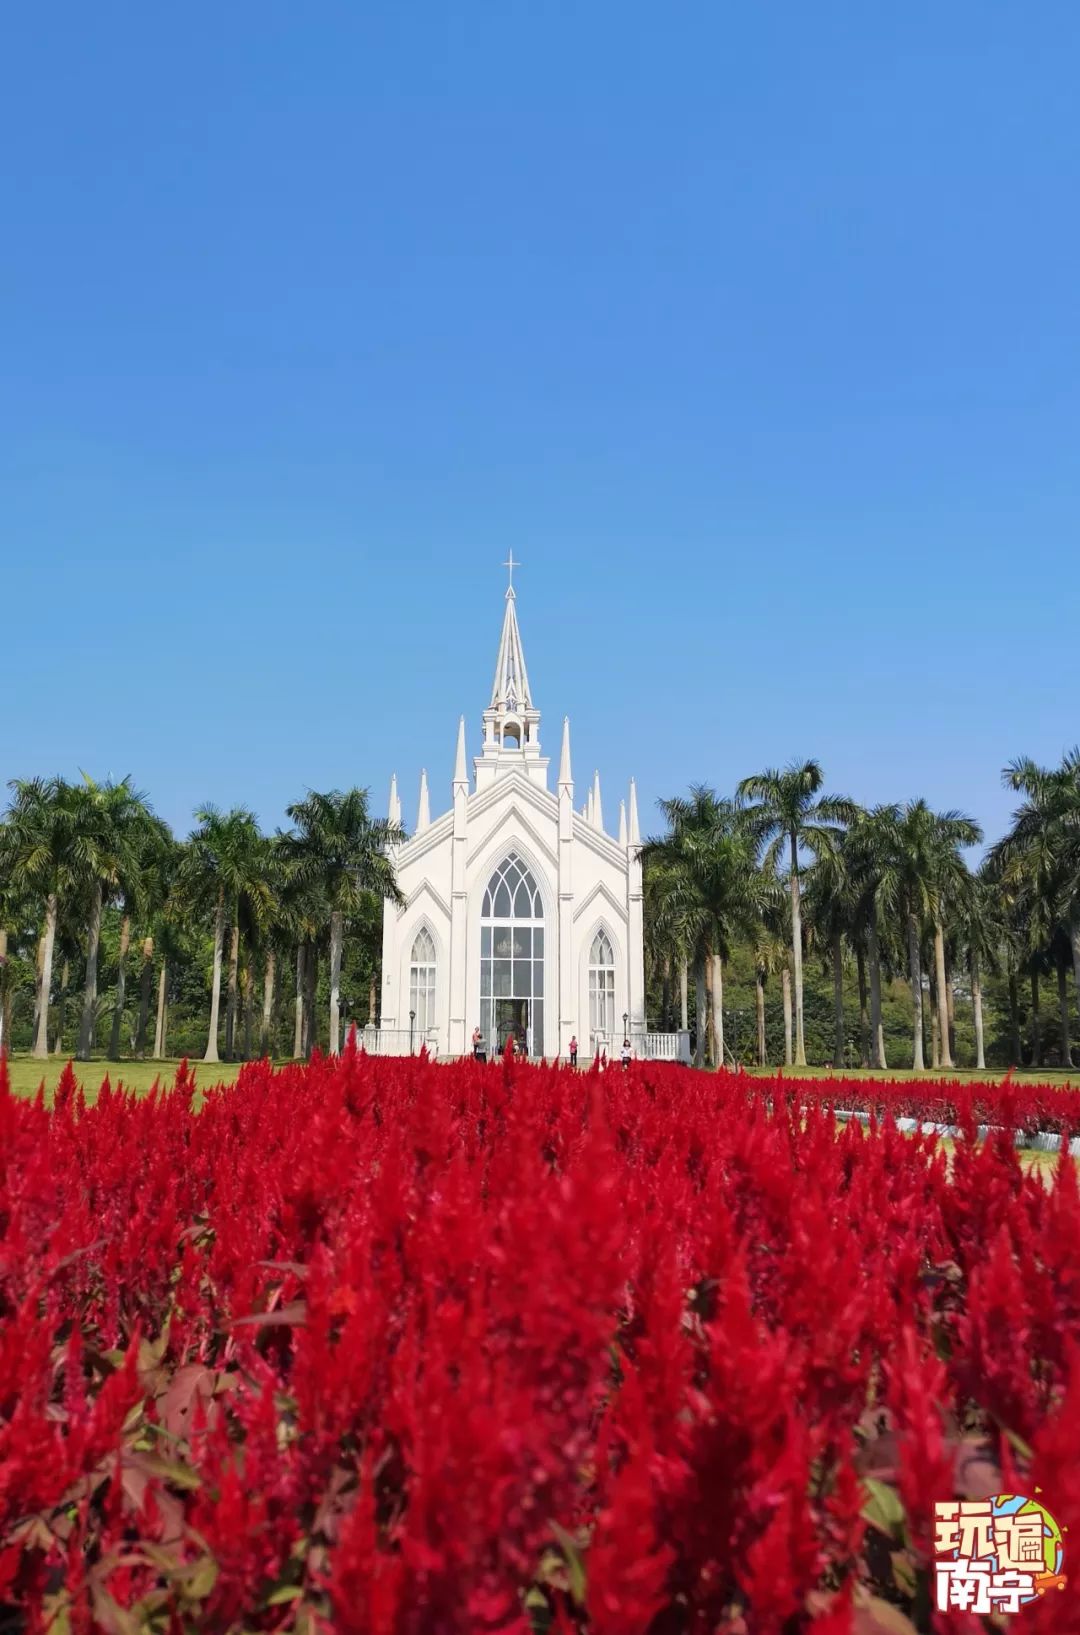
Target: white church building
<point x="522" y="915"/>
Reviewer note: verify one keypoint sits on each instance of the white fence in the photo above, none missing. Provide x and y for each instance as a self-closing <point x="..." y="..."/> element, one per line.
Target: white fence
<point x="646" y="1047"/>
<point x="397" y="1041"/>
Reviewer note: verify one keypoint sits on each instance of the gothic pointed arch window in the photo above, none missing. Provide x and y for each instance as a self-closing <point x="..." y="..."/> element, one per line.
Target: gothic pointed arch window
<point x="422" y="965"/>
<point x="602" y="987"/>
<point x="512" y="957"/>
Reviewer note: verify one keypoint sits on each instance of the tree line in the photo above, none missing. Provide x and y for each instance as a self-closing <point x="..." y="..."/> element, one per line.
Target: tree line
<point x="236" y="941"/>
<point x="229" y="898"/>
<point x="783" y="869"/>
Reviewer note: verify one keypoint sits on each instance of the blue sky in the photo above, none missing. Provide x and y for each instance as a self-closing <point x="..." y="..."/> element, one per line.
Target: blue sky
<point x="753" y="330"/>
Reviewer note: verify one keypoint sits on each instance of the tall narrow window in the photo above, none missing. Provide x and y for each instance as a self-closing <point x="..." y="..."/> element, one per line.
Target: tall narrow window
<point x="601" y="987"/>
<point x="512" y="958"/>
<point x="422" y="981"/>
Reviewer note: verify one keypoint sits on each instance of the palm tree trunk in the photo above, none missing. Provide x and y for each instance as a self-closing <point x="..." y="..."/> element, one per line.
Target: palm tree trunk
<point x="231" y="1003"/>
<point x="977" y="1009"/>
<point x="864" y="1021"/>
<point x="93" y="940"/>
<point x="159" y="1030"/>
<point x="1036" y="1023"/>
<point x="298" y="1023"/>
<point x="145" y="979"/>
<point x="1014" y="1022"/>
<point x="950" y="1012"/>
<point x="785" y="986"/>
<point x="935" y="1029"/>
<point x="1063" y="1006"/>
<point x="121" y="984"/>
<point x="838" y="999"/>
<point x="1074" y="939"/>
<point x="759" y="1000"/>
<point x="877" y="1031"/>
<point x="918" y="1061"/>
<point x="309" y="999"/>
<point x="337" y="937"/>
<point x="684" y="996"/>
<point x="665" y="994"/>
<point x="61" y="1008"/>
<point x="941" y="984"/>
<point x="249" y="1011"/>
<point x="372" y="1001"/>
<point x="701" y="1020"/>
<point x="48" y="942"/>
<point x="5" y="994"/>
<point x="39" y="965"/>
<point x="269" y="972"/>
<point x="709" y="1012"/>
<point x="796" y="950"/>
<point x="215" y="985"/>
<point x="718" y="1008"/>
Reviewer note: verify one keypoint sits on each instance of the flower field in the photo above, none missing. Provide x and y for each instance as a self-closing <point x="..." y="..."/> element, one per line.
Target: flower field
<point x="393" y="1347"/>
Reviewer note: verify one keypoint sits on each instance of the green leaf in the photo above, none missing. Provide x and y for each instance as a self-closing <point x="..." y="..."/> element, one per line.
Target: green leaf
<point x="904" y="1575"/>
<point x="1018" y="1444"/>
<point x="574" y="1563"/>
<point x="202" y="1580"/>
<point x="171" y="1470"/>
<point x="283" y="1594"/>
<point x="883" y="1508"/>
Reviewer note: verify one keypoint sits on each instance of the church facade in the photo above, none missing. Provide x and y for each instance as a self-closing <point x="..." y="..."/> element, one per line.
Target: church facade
<point x="522" y="915"/>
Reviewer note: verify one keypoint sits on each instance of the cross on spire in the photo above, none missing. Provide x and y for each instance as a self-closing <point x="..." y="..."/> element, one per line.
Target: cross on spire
<point x="511" y="564"/>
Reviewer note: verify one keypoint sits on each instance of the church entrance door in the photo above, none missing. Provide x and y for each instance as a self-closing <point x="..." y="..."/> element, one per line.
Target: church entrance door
<point x="512" y="958"/>
<point x="512" y="1021"/>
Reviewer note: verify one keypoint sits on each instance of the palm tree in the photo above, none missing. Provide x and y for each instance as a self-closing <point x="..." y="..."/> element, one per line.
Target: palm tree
<point x="831" y="901"/>
<point x="872" y="846"/>
<point x="772" y="954"/>
<point x="41" y="858"/>
<point x="338" y="849"/>
<point x="105" y="818"/>
<point x="149" y="844"/>
<point x="981" y="930"/>
<point x="919" y="866"/>
<point x="224" y="871"/>
<point x="713" y="891"/>
<point x="1043" y="845"/>
<point x="790" y="810"/>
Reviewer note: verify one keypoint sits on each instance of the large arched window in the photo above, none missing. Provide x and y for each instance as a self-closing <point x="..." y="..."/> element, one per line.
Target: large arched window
<point x="422" y="980"/>
<point x="512" y="958"/>
<point x="602" y="987"/>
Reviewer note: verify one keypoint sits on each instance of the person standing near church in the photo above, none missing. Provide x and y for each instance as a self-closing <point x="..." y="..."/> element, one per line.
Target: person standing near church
<point x="625" y="1056"/>
<point x="476" y="1038"/>
<point x="573" y="1050"/>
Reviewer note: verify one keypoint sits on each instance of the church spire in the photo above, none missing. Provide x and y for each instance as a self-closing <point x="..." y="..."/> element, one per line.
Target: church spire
<point x="597" y="808"/>
<point x="510" y="689"/>
<point x="511" y="720"/>
<point x="423" y="810"/>
<point x="565" y="774"/>
<point x="461" y="773"/>
<point x="635" y="829"/>
<point x="393" y="811"/>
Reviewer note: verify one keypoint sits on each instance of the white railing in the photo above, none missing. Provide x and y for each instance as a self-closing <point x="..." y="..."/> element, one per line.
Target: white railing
<point x="661" y="1047"/>
<point x="397" y="1041"/>
<point x="645" y="1047"/>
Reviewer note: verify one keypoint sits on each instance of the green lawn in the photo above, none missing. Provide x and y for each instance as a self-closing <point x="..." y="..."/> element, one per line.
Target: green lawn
<point x="967" y="1075"/>
<point x="26" y="1074"/>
